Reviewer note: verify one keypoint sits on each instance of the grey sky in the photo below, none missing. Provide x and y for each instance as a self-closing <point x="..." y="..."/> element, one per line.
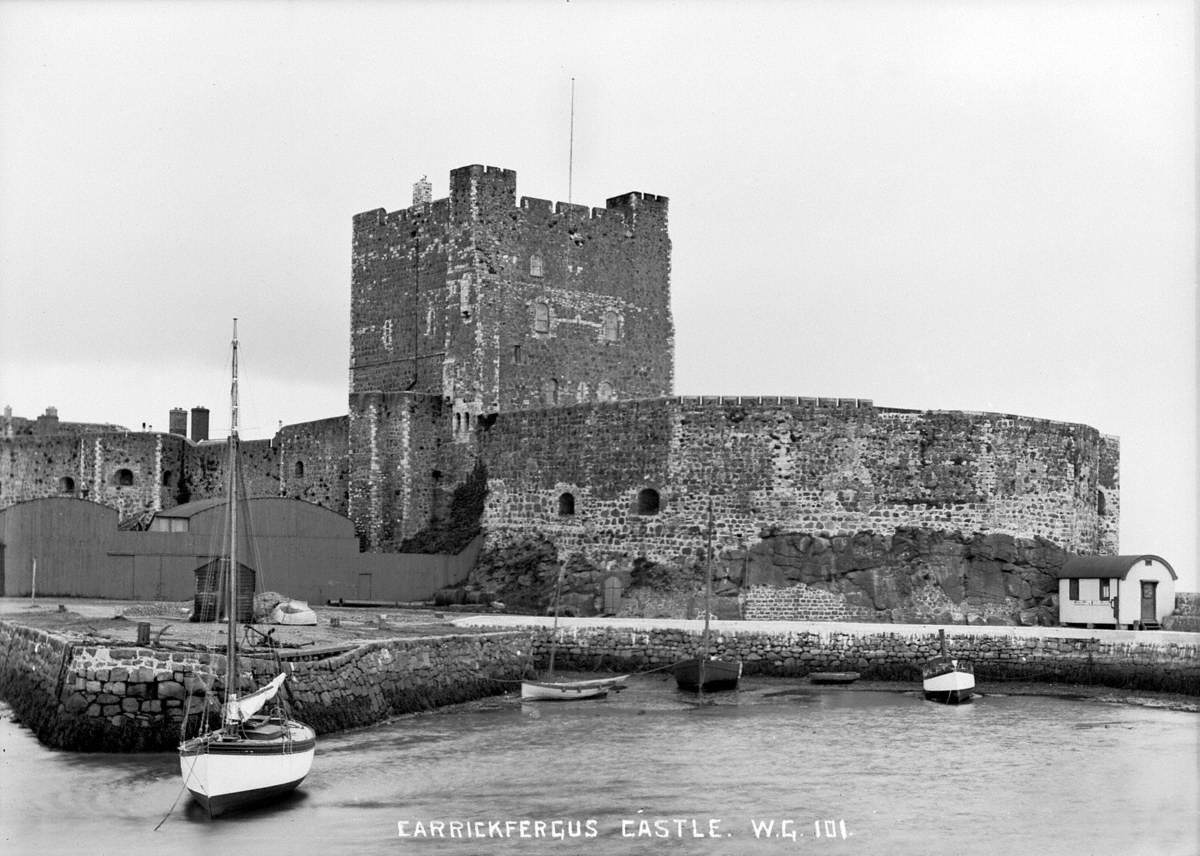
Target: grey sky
<point x="942" y="205"/>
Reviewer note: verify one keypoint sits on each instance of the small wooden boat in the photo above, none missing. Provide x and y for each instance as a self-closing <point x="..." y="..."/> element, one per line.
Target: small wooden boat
<point x="548" y="689"/>
<point x="705" y="672"/>
<point x="833" y="677"/>
<point x="707" y="675"/>
<point x="947" y="679"/>
<point x="571" y="690"/>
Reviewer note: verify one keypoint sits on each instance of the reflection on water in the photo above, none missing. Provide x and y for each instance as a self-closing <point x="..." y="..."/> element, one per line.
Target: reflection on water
<point x="777" y="767"/>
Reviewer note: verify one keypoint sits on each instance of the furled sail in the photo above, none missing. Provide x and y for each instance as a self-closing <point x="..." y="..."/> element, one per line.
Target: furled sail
<point x="241" y="709"/>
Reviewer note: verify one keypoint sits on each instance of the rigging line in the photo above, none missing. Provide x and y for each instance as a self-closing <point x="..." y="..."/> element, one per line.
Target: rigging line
<point x="571" y="149"/>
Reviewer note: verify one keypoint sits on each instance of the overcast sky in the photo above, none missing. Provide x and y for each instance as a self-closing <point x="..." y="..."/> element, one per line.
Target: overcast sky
<point x="937" y="205"/>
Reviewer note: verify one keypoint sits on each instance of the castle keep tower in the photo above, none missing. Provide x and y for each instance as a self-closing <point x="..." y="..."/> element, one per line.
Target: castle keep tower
<point x="496" y="305"/>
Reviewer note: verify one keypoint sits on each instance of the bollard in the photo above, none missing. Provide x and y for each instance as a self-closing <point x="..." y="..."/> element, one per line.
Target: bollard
<point x="143" y="633"/>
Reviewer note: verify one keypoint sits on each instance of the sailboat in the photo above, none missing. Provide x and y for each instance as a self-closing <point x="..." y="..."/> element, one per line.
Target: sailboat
<point x="705" y="672"/>
<point x="252" y="756"/>
<point x="548" y="689"/>
<point x="947" y="679"/>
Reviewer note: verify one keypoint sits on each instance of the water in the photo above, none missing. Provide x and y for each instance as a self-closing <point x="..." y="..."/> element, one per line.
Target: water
<point x="839" y="772"/>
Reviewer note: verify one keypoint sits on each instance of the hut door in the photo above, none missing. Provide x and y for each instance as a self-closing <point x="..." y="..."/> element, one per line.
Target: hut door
<point x="1148" y="603"/>
<point x="612" y="596"/>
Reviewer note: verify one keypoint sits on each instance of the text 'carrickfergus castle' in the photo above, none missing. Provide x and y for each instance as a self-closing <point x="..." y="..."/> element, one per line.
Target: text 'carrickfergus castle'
<point x="515" y="356"/>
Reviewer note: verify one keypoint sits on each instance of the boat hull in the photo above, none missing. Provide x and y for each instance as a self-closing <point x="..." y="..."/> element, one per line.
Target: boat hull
<point x="718" y="675"/>
<point x="570" y="690"/>
<point x="833" y="677"/>
<point x="225" y="774"/>
<point x="948" y="681"/>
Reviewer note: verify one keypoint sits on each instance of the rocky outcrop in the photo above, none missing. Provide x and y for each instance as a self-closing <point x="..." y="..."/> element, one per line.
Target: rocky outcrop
<point x="915" y="575"/>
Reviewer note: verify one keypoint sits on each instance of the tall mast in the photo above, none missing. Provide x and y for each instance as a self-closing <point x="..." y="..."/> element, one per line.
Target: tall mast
<point x="231" y="681"/>
<point x="707" y="593"/>
<point x="571" y="148"/>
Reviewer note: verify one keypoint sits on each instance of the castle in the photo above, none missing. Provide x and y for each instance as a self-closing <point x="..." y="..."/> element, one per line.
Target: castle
<point x="531" y="344"/>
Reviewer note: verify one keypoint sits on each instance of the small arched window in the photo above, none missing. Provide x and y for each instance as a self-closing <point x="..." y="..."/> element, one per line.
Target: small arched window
<point x="166" y="478"/>
<point x="535" y="265"/>
<point x="541" y="318"/>
<point x="648" y="501"/>
<point x="66" y="484"/>
<point x="298" y="470"/>
<point x="123" y="478"/>
<point x="610" y="329"/>
<point x="605" y="392"/>
<point x="1100" y="502"/>
<point x="566" y="505"/>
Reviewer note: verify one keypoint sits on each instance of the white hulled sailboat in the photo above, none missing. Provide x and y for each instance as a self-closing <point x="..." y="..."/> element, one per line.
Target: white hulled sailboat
<point x="252" y="756"/>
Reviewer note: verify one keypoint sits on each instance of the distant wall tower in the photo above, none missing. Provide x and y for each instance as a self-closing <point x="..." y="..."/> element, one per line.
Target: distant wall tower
<point x="179" y="421"/>
<point x="497" y="304"/>
<point x="422" y="192"/>
<point x="199" y="424"/>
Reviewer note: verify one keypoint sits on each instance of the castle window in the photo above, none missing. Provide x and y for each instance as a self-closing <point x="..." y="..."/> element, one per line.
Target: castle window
<point x="648" y="501"/>
<point x="123" y="478"/>
<point x="535" y="265"/>
<point x="66" y="484"/>
<point x="1073" y="590"/>
<point x="550" y="391"/>
<point x="541" y="318"/>
<point x="1100" y="502"/>
<point x="166" y="478"/>
<point x="299" y="469"/>
<point x="605" y="392"/>
<point x="566" y="505"/>
<point x="610" y="330"/>
<point x="516" y="355"/>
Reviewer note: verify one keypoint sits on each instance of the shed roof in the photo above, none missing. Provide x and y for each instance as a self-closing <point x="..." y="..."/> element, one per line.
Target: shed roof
<point x="1106" y="567"/>
<point x="191" y="509"/>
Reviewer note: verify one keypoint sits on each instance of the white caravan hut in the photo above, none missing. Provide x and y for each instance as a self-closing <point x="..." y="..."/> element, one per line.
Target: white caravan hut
<point x="1117" y="591"/>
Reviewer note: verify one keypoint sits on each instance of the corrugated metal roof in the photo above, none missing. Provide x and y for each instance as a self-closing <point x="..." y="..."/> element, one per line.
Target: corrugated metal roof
<point x="1106" y="567"/>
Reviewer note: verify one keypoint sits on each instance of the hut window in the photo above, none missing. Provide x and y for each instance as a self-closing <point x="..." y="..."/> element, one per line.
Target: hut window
<point x="299" y="469"/>
<point x="1104" y="590"/>
<point x="648" y="501"/>
<point x="566" y="505"/>
<point x="123" y="478"/>
<point x="611" y="328"/>
<point x="66" y="484"/>
<point x="541" y="318"/>
<point x="1073" y="590"/>
<point x="535" y="265"/>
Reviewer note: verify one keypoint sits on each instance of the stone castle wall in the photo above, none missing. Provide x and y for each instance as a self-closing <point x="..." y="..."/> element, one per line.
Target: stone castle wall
<point x="581" y="475"/>
<point x="498" y="305"/>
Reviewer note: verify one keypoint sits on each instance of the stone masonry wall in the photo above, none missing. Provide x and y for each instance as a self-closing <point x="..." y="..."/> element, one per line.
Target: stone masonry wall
<point x="1162" y="661"/>
<point x="313" y="464"/>
<point x="838" y="467"/>
<point x="100" y="698"/>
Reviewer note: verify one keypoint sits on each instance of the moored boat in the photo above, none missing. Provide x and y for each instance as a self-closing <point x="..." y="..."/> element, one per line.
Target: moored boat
<point x="251" y="756"/>
<point x="532" y="690"/>
<point x="833" y="677"/>
<point x="707" y="675"/>
<point x="947" y="679"/>
<point x="706" y="672"/>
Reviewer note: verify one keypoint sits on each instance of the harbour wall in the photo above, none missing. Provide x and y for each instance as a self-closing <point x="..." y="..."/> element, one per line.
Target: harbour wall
<point x="1160" y="661"/>
<point x="90" y="697"/>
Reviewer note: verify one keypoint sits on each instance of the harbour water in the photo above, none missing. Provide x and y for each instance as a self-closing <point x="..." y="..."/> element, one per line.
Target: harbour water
<point x="778" y="767"/>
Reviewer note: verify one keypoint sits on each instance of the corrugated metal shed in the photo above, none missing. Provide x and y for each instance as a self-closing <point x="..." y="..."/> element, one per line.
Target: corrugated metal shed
<point x="1107" y="567"/>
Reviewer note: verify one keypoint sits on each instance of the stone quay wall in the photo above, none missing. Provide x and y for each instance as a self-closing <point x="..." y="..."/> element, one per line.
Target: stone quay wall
<point x="90" y="697"/>
<point x="1159" y="661"/>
